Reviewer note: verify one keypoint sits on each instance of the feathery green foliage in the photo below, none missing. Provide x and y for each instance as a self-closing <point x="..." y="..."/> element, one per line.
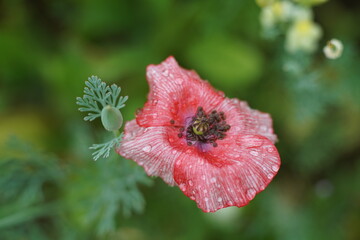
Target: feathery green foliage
<point x="97" y="95"/>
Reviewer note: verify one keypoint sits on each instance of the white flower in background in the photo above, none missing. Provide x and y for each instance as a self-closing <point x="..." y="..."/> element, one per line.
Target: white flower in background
<point x="301" y="13"/>
<point x="303" y="35"/>
<point x="276" y="12"/>
<point x="333" y="49"/>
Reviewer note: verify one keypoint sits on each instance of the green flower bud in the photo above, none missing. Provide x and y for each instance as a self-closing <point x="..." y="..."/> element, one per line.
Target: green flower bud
<point x="111" y="118"/>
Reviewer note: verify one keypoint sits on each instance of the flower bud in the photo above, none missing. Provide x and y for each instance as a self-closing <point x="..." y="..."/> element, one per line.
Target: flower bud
<point x="111" y="118"/>
<point x="333" y="49"/>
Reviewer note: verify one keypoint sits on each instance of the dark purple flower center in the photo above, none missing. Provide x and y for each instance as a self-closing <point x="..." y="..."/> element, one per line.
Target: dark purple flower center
<point x="204" y="128"/>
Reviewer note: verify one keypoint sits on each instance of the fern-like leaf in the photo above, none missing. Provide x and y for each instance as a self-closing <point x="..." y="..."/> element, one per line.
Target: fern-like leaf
<point x="97" y="95"/>
<point x="103" y="149"/>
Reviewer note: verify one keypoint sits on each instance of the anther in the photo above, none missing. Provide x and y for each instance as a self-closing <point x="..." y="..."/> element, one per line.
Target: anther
<point x="172" y="121"/>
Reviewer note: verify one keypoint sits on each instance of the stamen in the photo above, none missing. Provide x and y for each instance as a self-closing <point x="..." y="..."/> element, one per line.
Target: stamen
<point x="172" y="121"/>
<point x="205" y="128"/>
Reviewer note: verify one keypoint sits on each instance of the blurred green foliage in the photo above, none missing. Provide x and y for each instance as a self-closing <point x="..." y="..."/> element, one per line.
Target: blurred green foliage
<point x="51" y="189"/>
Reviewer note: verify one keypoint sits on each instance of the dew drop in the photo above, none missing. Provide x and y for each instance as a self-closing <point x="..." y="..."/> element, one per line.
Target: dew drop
<point x="165" y="73"/>
<point x="270" y="149"/>
<point x="147" y="148"/>
<point x="188" y="151"/>
<point x="275" y="168"/>
<point x="203" y="177"/>
<point x="205" y="191"/>
<point x="254" y="153"/>
<point x="213" y="180"/>
<point x="154" y="102"/>
<point x="263" y="128"/>
<point x="191" y="183"/>
<point x="177" y="163"/>
<point x="206" y="199"/>
<point x="190" y="166"/>
<point x="230" y="203"/>
<point x="219" y="199"/>
<point x="174" y="151"/>
<point x="270" y="175"/>
<point x="182" y="186"/>
<point x="250" y="193"/>
<point x="192" y="197"/>
<point x="171" y="139"/>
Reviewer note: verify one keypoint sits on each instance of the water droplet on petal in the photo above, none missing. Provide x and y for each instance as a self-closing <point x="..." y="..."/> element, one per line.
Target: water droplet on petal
<point x="182" y="186"/>
<point x="270" y="149"/>
<point x="254" y="153"/>
<point x="171" y="139"/>
<point x="230" y="203"/>
<point x="250" y="193"/>
<point x="219" y="199"/>
<point x="275" y="168"/>
<point x="213" y="180"/>
<point x="174" y="151"/>
<point x="192" y="197"/>
<point x="191" y="183"/>
<point x="203" y="177"/>
<point x="147" y="148"/>
<point x="206" y="199"/>
<point x="270" y="175"/>
<point x="205" y="191"/>
<point x="165" y="72"/>
<point x="154" y="102"/>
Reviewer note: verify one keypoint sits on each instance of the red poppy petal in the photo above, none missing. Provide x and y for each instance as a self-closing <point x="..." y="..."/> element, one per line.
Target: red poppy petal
<point x="175" y="93"/>
<point x="244" y="120"/>
<point x="233" y="179"/>
<point x="150" y="148"/>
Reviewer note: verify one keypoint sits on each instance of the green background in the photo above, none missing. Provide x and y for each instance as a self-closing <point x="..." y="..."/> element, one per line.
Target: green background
<point x="50" y="188"/>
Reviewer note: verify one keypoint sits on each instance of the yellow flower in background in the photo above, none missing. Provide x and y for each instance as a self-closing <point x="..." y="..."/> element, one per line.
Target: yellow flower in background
<point x="303" y="35"/>
<point x="333" y="49"/>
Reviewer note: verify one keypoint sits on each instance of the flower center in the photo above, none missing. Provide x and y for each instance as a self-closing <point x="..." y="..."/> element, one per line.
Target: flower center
<point x="205" y="128"/>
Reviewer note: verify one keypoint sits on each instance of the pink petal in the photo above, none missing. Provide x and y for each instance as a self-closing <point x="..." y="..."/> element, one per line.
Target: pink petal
<point x="150" y="148"/>
<point x="175" y="93"/>
<point x="230" y="176"/>
<point x="244" y="120"/>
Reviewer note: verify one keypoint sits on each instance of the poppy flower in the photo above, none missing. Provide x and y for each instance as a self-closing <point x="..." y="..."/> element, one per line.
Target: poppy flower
<point x="218" y="151"/>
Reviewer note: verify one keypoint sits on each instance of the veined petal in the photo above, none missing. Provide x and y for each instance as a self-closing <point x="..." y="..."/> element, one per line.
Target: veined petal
<point x="150" y="147"/>
<point x="244" y="120"/>
<point x="175" y="93"/>
<point x="231" y="176"/>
